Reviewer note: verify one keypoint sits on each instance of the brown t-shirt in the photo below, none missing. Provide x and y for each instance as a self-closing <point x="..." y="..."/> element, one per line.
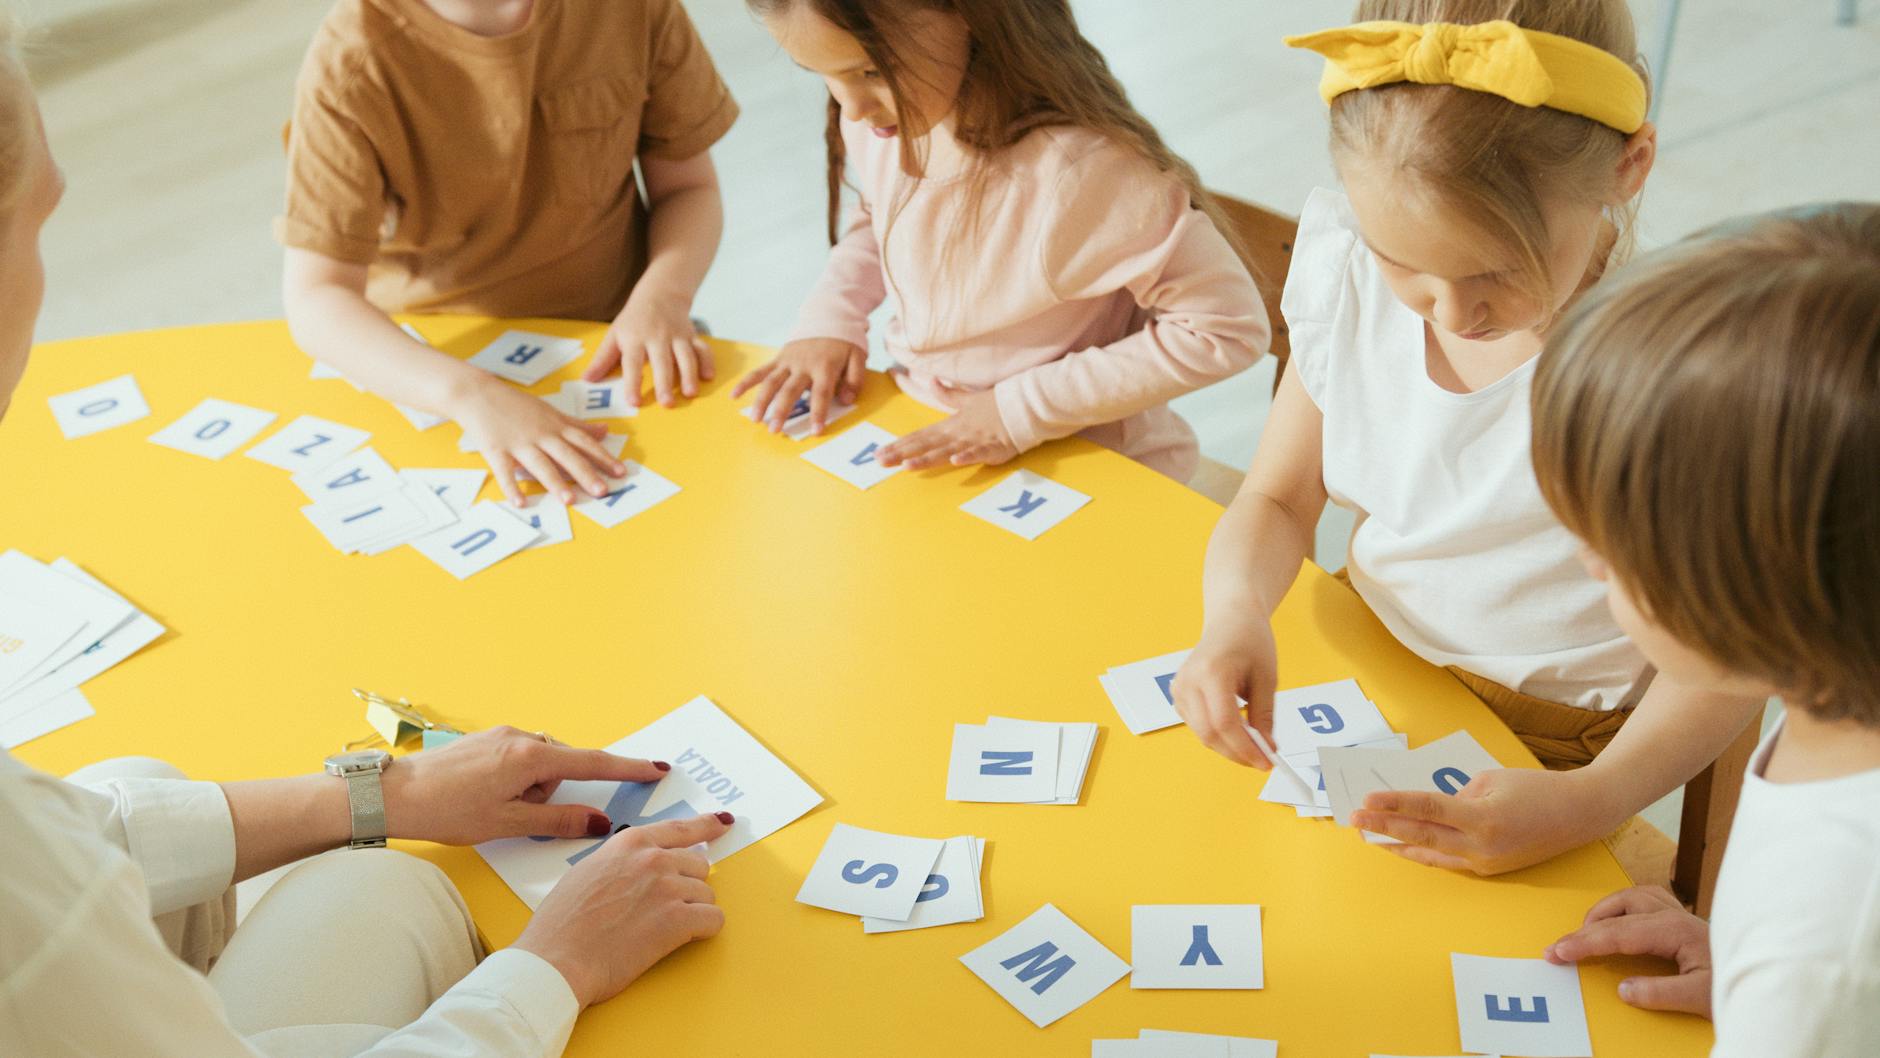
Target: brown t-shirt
<point x="494" y="175"/>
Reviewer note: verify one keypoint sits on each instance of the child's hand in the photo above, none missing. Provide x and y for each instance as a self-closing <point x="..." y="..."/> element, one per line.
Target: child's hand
<point x="1502" y="820"/>
<point x="822" y="366"/>
<point x="512" y="428"/>
<point x="1232" y="662"/>
<point x="975" y="434"/>
<point x="654" y="332"/>
<point x="1646" y="920"/>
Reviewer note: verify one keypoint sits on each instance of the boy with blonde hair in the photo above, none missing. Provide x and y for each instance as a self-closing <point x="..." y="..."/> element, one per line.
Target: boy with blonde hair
<point x="478" y="156"/>
<point x="1709" y="425"/>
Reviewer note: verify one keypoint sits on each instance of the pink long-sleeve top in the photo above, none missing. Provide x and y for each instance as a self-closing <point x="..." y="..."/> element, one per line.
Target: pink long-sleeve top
<point x="1093" y="293"/>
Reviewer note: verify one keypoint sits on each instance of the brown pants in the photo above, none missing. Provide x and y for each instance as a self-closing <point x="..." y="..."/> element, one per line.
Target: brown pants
<point x="1562" y="737"/>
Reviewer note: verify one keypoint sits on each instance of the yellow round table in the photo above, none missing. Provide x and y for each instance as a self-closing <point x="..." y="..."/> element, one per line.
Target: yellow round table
<point x="848" y="631"/>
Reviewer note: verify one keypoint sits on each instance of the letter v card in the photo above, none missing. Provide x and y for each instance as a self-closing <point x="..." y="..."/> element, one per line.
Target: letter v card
<point x="716" y="767"/>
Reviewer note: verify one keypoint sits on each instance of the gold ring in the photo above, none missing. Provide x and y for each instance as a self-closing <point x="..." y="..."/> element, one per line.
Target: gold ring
<point x="545" y="737"/>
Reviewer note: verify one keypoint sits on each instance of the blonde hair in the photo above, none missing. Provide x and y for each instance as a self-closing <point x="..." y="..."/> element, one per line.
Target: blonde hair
<point x="17" y="123"/>
<point x="1709" y="423"/>
<point x="1482" y="159"/>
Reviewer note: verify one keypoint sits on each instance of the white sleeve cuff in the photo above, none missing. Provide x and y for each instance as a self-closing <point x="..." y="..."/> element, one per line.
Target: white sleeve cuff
<point x="180" y="834"/>
<point x="525" y="983"/>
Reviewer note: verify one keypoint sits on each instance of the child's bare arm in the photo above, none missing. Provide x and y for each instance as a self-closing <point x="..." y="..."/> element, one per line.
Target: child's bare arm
<point x="331" y="319"/>
<point x="1512" y="818"/>
<point x="653" y="332"/>
<point x="1253" y="559"/>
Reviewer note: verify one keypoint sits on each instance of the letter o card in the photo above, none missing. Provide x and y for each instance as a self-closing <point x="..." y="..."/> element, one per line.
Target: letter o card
<point x="100" y="407"/>
<point x="1046" y="966"/>
<point x="1026" y="504"/>
<point x="865" y="872"/>
<point x="1196" y="946"/>
<point x="213" y="429"/>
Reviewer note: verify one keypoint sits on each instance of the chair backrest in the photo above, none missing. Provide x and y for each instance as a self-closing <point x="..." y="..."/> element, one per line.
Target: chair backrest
<point x="1267" y="237"/>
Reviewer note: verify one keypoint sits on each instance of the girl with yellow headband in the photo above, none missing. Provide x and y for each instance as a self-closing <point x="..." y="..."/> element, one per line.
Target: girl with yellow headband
<point x="1491" y="152"/>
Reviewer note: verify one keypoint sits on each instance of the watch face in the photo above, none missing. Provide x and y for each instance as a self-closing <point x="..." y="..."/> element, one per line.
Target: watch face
<point x="359" y="760"/>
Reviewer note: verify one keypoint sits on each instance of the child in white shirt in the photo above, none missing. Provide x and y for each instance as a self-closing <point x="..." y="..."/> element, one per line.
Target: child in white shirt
<point x="1709" y="425"/>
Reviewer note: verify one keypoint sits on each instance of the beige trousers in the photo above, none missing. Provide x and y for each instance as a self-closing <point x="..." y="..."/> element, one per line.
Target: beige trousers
<point x="343" y="950"/>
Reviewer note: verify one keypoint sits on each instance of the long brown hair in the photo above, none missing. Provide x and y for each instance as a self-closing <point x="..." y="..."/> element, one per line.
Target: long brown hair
<point x="1029" y="66"/>
<point x="1708" y="421"/>
<point x="1487" y="161"/>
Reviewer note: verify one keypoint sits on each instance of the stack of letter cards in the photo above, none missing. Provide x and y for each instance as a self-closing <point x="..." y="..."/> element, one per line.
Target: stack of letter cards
<point x="716" y="767"/>
<point x="1143" y="693"/>
<point x="1158" y="1043"/>
<point x="1019" y="761"/>
<point x="895" y="883"/>
<point x="1527" y="1007"/>
<point x="1307" y="719"/>
<point x="1443" y="766"/>
<point x="59" y="626"/>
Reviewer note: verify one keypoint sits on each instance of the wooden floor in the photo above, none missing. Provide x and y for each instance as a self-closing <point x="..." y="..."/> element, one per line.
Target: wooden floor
<point x="166" y="115"/>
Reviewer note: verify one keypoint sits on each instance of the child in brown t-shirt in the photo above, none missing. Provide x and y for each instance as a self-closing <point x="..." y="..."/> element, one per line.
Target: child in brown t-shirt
<point x="478" y="156"/>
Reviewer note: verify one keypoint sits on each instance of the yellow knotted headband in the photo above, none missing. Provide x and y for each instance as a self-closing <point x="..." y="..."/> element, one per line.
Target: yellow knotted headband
<point x="1524" y="66"/>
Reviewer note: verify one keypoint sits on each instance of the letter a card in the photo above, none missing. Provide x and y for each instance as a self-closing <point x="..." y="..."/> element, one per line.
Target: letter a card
<point x="851" y="456"/>
<point x="1046" y="966"/>
<point x="1026" y="504"/>
<point x="866" y="872"/>
<point x="1520" y="1006"/>
<point x="716" y="767"/>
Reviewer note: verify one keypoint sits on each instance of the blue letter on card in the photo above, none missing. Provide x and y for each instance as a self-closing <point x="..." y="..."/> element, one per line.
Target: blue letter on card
<point x="524" y="354"/>
<point x="1024" y="505"/>
<point x="1200" y="949"/>
<point x="1039" y="964"/>
<point x="1450" y="780"/>
<point x="934" y="888"/>
<point x="1322" y="718"/>
<point x="859" y="873"/>
<point x="1004" y="762"/>
<point x="1514" y="1012"/>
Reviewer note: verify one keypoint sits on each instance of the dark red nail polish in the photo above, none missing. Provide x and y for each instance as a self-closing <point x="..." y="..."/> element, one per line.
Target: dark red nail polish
<point x="598" y="826"/>
<point x="662" y="765"/>
<point x="725" y="818"/>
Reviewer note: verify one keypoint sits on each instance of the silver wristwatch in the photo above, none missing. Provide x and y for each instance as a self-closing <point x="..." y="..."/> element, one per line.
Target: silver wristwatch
<point x="361" y="770"/>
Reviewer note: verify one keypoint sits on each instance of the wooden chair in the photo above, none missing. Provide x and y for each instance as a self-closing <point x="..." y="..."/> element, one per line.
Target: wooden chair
<point x="1704" y="829"/>
<point x="1266" y="239"/>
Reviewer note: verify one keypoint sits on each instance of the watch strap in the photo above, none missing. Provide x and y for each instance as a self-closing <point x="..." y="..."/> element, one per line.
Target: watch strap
<point x="366" y="793"/>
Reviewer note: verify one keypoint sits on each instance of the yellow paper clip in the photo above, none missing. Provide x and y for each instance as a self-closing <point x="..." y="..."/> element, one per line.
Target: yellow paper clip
<point x="395" y="721"/>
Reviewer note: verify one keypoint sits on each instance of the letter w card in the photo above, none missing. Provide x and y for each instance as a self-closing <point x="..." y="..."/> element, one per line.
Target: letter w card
<point x="1046" y="966"/>
<point x="851" y="456"/>
<point x="1520" y="1006"/>
<point x="1026" y="504"/>
<point x="716" y="767"/>
<point x="866" y="872"/>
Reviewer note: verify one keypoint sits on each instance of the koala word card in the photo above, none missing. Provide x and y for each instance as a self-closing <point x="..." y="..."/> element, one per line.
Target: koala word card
<point x="716" y="766"/>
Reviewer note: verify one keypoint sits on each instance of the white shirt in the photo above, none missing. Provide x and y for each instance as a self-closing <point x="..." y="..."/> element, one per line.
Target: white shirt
<point x="83" y="971"/>
<point x="1454" y="549"/>
<point x="1795" y="926"/>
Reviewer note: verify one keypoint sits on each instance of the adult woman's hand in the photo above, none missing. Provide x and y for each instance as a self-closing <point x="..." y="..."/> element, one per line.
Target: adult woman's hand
<point x="493" y="784"/>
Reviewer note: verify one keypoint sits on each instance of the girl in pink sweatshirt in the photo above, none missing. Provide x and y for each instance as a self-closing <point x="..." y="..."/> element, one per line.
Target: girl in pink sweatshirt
<point x="1055" y="268"/>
